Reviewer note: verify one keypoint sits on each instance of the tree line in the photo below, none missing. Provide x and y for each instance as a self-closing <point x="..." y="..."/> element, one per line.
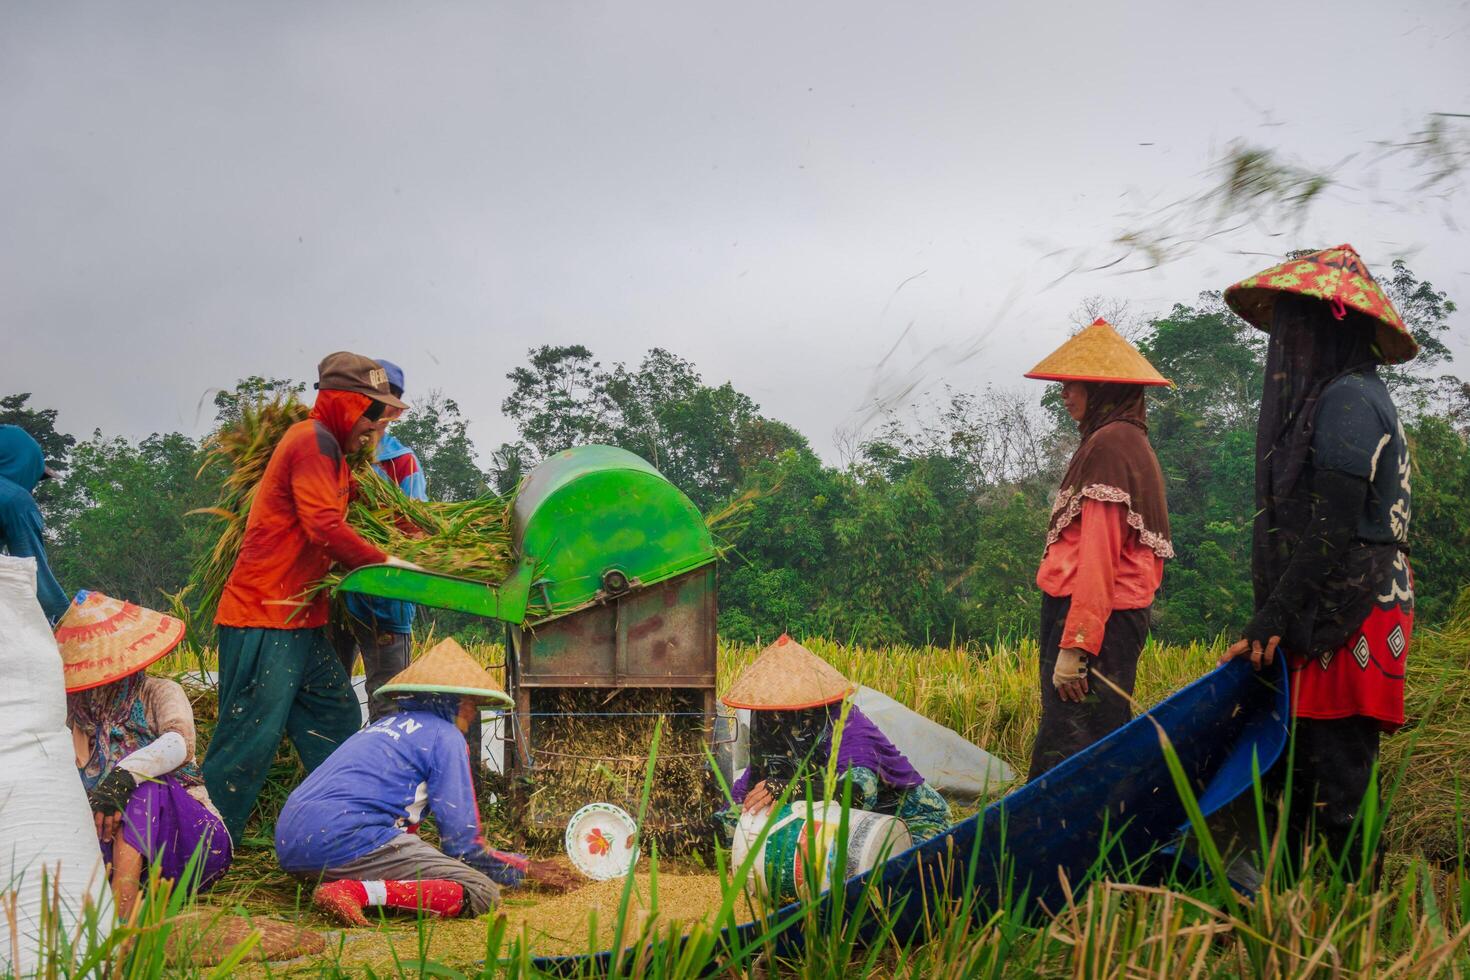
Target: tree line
<point x="929" y="530"/>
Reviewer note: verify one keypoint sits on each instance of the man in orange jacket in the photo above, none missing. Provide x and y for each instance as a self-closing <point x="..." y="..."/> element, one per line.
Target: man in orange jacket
<point x="278" y="672"/>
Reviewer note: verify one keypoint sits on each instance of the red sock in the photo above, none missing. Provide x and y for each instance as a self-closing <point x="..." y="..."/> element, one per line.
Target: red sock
<point x="343" y="899"/>
<point x="438" y="895"/>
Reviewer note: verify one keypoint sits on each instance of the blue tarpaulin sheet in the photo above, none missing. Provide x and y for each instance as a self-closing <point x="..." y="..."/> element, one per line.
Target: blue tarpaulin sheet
<point x="1116" y="795"/>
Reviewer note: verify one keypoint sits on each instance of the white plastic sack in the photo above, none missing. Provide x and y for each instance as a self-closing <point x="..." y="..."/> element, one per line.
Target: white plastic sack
<point x="44" y="818"/>
<point x="960" y="770"/>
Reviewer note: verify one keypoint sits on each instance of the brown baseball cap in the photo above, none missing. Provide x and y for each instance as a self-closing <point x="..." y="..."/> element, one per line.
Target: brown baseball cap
<point x="346" y="371"/>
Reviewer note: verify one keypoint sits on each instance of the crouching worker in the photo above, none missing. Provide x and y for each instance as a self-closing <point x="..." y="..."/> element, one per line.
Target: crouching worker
<point x="353" y="823"/>
<point x="796" y="700"/>
<point x="134" y="739"/>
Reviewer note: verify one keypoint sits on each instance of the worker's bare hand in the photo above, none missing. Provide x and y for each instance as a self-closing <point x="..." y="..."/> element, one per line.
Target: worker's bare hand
<point x="1234" y="650"/>
<point x="1074" y="691"/>
<point x="108" y="824"/>
<point x="552" y="876"/>
<point x="758" y="799"/>
<point x="1070" y="675"/>
<point x="1260" y="655"/>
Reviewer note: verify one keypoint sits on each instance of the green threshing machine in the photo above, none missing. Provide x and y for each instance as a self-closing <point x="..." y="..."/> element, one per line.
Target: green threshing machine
<point x="613" y="589"/>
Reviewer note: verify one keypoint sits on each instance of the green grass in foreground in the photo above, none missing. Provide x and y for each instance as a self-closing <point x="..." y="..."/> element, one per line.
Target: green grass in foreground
<point x="1316" y="922"/>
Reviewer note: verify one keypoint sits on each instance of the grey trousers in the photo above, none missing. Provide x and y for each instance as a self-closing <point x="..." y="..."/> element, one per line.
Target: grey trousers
<point x="407" y="858"/>
<point x="384" y="654"/>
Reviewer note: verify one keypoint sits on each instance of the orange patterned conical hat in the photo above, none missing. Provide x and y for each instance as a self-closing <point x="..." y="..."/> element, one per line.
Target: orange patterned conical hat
<point x="1098" y="353"/>
<point x="1336" y="275"/>
<point x="103" y="639"/>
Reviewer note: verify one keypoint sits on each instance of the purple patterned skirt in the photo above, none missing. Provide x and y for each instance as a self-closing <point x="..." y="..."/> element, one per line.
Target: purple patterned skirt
<point x="167" y="825"/>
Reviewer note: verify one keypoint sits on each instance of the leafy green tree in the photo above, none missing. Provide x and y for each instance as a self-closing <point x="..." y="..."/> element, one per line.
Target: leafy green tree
<point x="1440" y="531"/>
<point x="125" y="531"/>
<point x="1000" y="593"/>
<point x="509" y="465"/>
<point x="704" y="439"/>
<point x="558" y="399"/>
<point x="777" y="574"/>
<point x="1203" y="431"/>
<point x="1426" y="312"/>
<point x="891" y="569"/>
<point x="438" y="433"/>
<point x="248" y="390"/>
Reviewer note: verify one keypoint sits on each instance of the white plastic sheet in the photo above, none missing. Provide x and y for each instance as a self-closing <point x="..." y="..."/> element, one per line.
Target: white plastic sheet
<point x="958" y="768"/>
<point x="45" y="822"/>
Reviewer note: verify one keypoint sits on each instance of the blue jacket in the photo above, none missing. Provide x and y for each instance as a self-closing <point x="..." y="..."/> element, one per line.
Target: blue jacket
<point x="376" y="784"/>
<point x="392" y="615"/>
<point x="22" y="532"/>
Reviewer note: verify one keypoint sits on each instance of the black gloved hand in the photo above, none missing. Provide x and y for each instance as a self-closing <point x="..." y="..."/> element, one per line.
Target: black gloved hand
<point x="112" y="793"/>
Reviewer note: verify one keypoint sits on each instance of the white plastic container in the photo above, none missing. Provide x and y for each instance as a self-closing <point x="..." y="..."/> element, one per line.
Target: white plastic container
<point x="780" y="869"/>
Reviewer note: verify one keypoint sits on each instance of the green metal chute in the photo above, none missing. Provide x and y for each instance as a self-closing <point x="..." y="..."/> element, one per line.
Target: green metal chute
<point x="588" y="523"/>
<point x="506" y="601"/>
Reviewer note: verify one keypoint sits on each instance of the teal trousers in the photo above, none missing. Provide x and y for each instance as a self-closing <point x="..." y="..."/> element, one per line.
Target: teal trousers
<point x="273" y="682"/>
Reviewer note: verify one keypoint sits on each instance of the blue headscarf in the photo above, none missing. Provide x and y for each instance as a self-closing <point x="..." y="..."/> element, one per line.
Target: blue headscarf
<point x="444" y="706"/>
<point x="21" y="459"/>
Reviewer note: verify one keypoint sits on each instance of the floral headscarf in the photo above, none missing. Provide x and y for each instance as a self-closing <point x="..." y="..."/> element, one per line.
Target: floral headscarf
<point x="115" y="721"/>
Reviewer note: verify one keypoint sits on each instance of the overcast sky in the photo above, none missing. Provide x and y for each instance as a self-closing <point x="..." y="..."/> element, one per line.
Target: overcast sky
<point x="194" y="192"/>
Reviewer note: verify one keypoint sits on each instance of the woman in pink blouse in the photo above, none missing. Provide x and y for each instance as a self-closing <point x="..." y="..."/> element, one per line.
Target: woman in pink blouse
<point x="1105" y="545"/>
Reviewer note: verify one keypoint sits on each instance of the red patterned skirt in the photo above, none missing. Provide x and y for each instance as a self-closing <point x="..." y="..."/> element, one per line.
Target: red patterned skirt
<point x="1364" y="676"/>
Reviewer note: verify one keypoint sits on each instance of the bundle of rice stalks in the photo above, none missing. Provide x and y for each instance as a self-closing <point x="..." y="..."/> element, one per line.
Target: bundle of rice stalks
<point x="467" y="538"/>
<point x="237" y="456"/>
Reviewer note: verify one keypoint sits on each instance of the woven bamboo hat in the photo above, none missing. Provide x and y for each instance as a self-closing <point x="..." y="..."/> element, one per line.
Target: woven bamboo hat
<point x="1337" y="276"/>
<point x="785" y="677"/>
<point x="446" y="669"/>
<point x="1098" y="353"/>
<point x="103" y="639"/>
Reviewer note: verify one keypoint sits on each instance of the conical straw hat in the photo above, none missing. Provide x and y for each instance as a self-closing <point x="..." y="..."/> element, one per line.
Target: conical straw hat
<point x="446" y="669"/>
<point x="103" y="639"/>
<point x="1098" y="353"/>
<point x="785" y="677"/>
<point x="1335" y="275"/>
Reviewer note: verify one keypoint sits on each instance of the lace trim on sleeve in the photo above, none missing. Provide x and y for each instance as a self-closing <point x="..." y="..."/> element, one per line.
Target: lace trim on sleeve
<point x="1069" y="504"/>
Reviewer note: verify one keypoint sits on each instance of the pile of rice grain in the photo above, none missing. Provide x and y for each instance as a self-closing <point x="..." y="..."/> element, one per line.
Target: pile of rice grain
<point x="556" y="925"/>
<point x="561" y="924"/>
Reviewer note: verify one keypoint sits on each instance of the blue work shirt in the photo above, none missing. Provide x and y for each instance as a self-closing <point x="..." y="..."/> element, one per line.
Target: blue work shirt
<point x="22" y="531"/>
<point x="396" y="462"/>
<point x="377" y="783"/>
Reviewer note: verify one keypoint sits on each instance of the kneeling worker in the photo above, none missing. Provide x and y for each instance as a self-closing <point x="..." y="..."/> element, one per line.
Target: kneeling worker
<point x="353" y="822"/>
<point x="796" y="701"/>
